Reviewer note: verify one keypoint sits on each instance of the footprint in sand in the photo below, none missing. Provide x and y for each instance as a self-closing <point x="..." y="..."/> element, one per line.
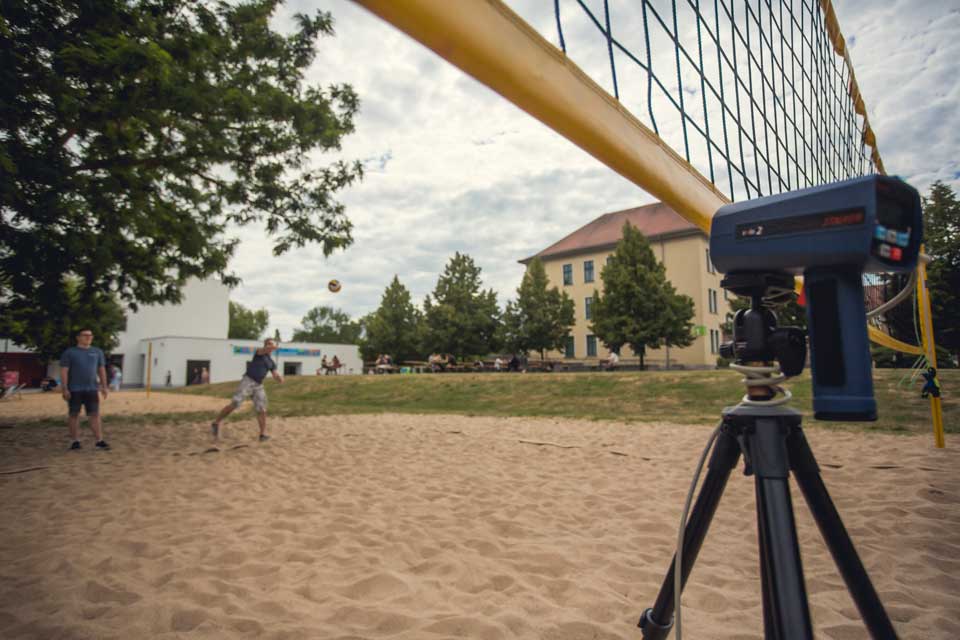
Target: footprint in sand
<point x="184" y="620"/>
<point x="571" y="630"/>
<point x="377" y="587"/>
<point x="98" y="593"/>
<point x="467" y="627"/>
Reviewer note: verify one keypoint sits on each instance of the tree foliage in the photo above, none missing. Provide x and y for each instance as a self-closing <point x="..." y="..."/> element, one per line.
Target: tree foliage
<point x="639" y="307"/>
<point x="50" y="335"/>
<point x="510" y="334"/>
<point x="132" y="132"/>
<point x="460" y="318"/>
<point x="247" y="324"/>
<point x="394" y="328"/>
<point x="541" y="318"/>
<point x="326" y="324"/>
<point x="942" y="241"/>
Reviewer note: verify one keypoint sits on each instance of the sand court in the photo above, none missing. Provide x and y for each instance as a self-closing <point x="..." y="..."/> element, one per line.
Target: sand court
<point x="52" y="404"/>
<point x="406" y="526"/>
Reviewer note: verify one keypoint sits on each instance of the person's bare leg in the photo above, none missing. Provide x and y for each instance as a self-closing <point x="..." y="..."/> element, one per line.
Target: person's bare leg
<point x="262" y="420"/>
<point x="227" y="410"/>
<point x="73" y="423"/>
<point x="96" y="426"/>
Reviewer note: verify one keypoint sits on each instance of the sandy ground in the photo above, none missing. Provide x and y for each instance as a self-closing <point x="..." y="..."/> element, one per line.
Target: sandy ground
<point x="418" y="527"/>
<point x="51" y="404"/>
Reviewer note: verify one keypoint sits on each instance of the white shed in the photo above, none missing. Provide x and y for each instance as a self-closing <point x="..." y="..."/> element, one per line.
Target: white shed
<point x="177" y="360"/>
<point x="182" y="339"/>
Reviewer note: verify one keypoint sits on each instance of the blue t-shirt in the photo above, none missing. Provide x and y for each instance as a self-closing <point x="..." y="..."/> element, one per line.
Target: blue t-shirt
<point x="258" y="367"/>
<point x="83" y="365"/>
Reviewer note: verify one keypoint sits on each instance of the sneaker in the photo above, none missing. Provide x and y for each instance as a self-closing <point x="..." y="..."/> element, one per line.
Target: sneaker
<point x="102" y="445"/>
<point x="264" y="438"/>
<point x="215" y="430"/>
<point x="75" y="446"/>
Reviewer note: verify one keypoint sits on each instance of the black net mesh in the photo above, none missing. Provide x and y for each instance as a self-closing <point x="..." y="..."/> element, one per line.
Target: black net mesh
<point x="752" y="93"/>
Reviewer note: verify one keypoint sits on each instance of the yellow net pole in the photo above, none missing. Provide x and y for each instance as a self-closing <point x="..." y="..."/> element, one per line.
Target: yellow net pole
<point x="888" y="341"/>
<point x="490" y="42"/>
<point x="926" y="330"/>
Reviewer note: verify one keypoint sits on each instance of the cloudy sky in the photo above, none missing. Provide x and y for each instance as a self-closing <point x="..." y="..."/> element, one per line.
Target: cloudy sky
<point x="451" y="166"/>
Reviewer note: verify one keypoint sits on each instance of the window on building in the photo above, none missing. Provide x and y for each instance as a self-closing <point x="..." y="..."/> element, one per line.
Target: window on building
<point x="588" y="270"/>
<point x="726" y="295"/>
<point x="710" y="267"/>
<point x="588" y="307"/>
<point x="591" y="346"/>
<point x="568" y="352"/>
<point x="609" y="259"/>
<point x="712" y="300"/>
<point x="714" y="341"/>
<point x="568" y="274"/>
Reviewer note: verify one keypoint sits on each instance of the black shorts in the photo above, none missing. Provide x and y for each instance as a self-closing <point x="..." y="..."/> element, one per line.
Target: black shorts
<point x="89" y="400"/>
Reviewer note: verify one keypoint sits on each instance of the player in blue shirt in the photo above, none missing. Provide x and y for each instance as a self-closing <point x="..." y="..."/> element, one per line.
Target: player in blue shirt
<point x="252" y="385"/>
<point x="83" y="373"/>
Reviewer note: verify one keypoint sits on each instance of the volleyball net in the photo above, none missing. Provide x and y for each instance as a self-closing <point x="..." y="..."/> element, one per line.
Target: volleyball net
<point x="760" y="97"/>
<point x="698" y="102"/>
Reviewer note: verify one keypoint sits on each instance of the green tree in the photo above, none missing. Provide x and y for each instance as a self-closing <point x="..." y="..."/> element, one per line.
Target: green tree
<point x="461" y="318"/>
<point x="247" y="324"/>
<point x="394" y="328"/>
<point x="639" y="307"/>
<point x="77" y="309"/>
<point x="941" y="233"/>
<point x="133" y="132"/>
<point x="326" y="324"/>
<point x="510" y="334"/>
<point x="542" y="317"/>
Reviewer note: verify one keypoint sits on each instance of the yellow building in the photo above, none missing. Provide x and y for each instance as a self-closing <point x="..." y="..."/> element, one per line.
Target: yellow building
<point x="574" y="263"/>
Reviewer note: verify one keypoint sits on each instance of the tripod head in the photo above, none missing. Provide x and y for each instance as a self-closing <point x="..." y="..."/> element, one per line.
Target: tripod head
<point x="756" y="337"/>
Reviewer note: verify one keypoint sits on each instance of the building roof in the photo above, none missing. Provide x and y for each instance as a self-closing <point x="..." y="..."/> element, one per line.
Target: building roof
<point x="655" y="221"/>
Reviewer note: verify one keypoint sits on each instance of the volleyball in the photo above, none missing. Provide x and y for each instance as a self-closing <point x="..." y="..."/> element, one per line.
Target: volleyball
<point x="334" y="286"/>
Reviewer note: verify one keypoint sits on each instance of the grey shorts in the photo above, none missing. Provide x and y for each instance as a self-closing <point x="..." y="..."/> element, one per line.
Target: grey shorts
<point x="250" y="388"/>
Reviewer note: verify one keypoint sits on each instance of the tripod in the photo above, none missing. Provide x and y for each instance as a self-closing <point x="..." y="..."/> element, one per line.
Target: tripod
<point x="773" y="444"/>
<point x="771" y="440"/>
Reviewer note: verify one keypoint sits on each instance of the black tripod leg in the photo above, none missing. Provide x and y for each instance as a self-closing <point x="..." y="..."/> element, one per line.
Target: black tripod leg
<point x="765" y="585"/>
<point x="807" y="475"/>
<point x="657" y="621"/>
<point x="786" y="612"/>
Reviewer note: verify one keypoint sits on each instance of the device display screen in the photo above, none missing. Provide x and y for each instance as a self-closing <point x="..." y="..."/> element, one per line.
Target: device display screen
<point x="799" y="224"/>
<point x="891" y="214"/>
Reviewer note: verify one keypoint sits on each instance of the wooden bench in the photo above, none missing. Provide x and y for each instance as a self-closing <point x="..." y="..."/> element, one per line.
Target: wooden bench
<point x="573" y="365"/>
<point x="542" y="365"/>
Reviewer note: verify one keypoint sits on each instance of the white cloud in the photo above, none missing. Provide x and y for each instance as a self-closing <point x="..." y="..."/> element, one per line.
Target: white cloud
<point x="452" y="166"/>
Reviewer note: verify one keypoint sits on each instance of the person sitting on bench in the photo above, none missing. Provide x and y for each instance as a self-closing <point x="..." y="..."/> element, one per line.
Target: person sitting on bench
<point x="611" y="362"/>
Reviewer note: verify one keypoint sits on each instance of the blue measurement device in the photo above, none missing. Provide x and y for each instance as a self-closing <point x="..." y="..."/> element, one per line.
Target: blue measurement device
<point x="831" y="235"/>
